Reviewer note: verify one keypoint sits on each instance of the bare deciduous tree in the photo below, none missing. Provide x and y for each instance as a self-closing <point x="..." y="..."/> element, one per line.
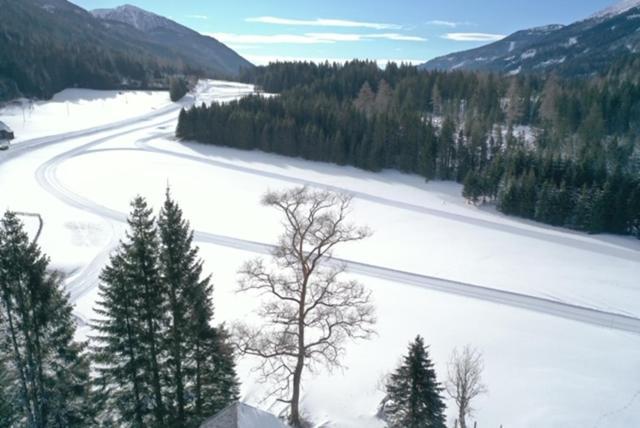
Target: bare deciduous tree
<point x="464" y="380"/>
<point x="308" y="311"/>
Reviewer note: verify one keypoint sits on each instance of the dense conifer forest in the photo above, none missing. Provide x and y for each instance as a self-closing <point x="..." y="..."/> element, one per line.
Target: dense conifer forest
<point x="562" y="152"/>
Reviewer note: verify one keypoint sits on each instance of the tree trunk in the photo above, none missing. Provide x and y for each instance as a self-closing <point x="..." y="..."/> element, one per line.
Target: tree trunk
<point x="177" y="357"/>
<point x="19" y="364"/>
<point x="295" y="398"/>
<point x="461" y="417"/>
<point x="297" y="373"/>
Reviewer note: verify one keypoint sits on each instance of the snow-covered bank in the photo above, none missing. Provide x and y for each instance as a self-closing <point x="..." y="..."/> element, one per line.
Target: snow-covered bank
<point x="77" y="109"/>
<point x="541" y="370"/>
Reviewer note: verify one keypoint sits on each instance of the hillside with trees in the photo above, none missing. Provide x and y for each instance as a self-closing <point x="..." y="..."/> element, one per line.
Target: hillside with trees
<point x="47" y="46"/>
<point x="562" y="152"/>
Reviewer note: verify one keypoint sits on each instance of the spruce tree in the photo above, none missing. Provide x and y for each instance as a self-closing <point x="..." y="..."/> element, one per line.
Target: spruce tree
<point x="201" y="370"/>
<point x="132" y="310"/>
<point x="44" y="372"/>
<point x="414" y="397"/>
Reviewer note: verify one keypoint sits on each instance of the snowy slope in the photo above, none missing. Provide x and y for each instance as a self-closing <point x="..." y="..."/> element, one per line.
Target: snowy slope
<point x="542" y="369"/>
<point x="617" y="8"/>
<point x="580" y="49"/>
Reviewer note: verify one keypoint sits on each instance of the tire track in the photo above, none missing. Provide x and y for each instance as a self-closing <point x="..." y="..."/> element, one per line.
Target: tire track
<point x="46" y="176"/>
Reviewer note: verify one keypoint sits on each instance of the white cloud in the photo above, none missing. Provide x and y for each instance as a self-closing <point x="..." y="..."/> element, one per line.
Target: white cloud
<point x="252" y="39"/>
<point x="473" y="37"/>
<point x="319" y="22"/>
<point x="203" y="17"/>
<point x="444" y="23"/>
<point x="309" y="38"/>
<point x="450" y="24"/>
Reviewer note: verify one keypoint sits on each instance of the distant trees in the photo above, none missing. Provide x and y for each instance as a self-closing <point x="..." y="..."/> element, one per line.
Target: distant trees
<point x="44" y="373"/>
<point x="580" y="144"/>
<point x="414" y="395"/>
<point x="178" y="88"/>
<point x="308" y="312"/>
<point x="158" y="360"/>
<point x="464" y="381"/>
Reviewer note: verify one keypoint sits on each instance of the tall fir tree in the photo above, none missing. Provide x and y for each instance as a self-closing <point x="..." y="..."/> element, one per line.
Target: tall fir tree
<point x="414" y="396"/>
<point x="154" y="332"/>
<point x="45" y="370"/>
<point x="132" y="321"/>
<point x="201" y="368"/>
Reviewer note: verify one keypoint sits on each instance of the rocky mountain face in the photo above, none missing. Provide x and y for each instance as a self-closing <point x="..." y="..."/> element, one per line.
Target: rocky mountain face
<point x="581" y="49"/>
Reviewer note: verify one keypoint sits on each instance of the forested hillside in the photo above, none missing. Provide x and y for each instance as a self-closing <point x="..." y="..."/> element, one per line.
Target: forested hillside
<point x="50" y="45"/>
<point x="557" y="151"/>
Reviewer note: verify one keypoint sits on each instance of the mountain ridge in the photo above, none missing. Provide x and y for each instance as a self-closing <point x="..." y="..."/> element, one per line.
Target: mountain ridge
<point x="50" y="45"/>
<point x="583" y="48"/>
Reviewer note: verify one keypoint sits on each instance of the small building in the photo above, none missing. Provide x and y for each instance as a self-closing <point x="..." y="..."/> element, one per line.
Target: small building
<point x="240" y="415"/>
<point x="6" y="135"/>
<point x="5" y="132"/>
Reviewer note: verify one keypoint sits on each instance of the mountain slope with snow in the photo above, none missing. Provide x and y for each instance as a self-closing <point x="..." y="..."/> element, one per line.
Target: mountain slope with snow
<point x="583" y="48"/>
<point x="618" y="8"/>
<point x="193" y="48"/>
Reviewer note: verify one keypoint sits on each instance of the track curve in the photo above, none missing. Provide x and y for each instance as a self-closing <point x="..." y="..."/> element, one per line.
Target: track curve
<point x="46" y="177"/>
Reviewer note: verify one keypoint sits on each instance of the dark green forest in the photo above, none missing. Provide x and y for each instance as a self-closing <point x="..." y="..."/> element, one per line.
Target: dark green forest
<point x="562" y="152"/>
<point x="69" y="48"/>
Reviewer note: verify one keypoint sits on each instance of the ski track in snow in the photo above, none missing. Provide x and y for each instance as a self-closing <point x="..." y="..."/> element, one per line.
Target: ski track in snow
<point x="86" y="279"/>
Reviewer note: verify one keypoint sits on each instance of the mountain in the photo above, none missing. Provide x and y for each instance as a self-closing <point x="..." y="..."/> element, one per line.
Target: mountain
<point x="618" y="8"/>
<point x="581" y="49"/>
<point x="49" y="45"/>
<point x="177" y="40"/>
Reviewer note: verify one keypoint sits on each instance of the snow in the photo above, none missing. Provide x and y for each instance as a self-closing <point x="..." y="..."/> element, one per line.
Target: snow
<point x="76" y="109"/>
<point x="552" y="61"/>
<point x="240" y="415"/>
<point x="618" y="8"/>
<point x="512" y="46"/>
<point x="541" y="370"/>
<point x="515" y="71"/>
<point x="528" y="54"/>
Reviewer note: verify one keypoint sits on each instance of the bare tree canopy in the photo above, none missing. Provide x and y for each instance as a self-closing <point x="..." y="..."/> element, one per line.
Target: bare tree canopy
<point x="464" y="381"/>
<point x="308" y="311"/>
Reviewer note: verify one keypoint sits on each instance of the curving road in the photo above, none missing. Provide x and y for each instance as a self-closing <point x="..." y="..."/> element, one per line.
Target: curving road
<point x="87" y="279"/>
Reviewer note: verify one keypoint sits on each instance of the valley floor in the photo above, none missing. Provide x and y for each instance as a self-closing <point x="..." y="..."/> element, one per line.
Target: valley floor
<point x="555" y="313"/>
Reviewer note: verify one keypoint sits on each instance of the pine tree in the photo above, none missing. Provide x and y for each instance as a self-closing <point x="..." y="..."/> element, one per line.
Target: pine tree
<point x="413" y="392"/>
<point x="8" y="394"/>
<point x="132" y="308"/>
<point x="201" y="368"/>
<point x="46" y="372"/>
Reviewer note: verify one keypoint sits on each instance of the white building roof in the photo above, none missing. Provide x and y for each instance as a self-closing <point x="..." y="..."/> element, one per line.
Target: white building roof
<point x="240" y="415"/>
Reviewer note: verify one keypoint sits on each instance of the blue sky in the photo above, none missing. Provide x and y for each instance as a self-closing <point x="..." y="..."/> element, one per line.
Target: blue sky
<point x="416" y="30"/>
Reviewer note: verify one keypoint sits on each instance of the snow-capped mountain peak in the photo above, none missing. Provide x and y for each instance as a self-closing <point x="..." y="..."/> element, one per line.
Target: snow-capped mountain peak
<point x="621" y="6"/>
<point x="134" y="16"/>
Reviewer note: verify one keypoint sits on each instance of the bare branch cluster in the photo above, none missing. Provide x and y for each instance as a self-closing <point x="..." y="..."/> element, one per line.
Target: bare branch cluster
<point x="309" y="312"/>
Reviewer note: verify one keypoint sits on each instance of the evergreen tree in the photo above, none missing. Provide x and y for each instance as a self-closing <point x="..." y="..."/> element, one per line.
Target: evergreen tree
<point x="46" y="372"/>
<point x="201" y="369"/>
<point x="413" y="392"/>
<point x="132" y="311"/>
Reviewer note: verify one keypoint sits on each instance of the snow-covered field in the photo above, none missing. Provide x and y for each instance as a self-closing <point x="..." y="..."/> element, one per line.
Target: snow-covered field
<point x="562" y="370"/>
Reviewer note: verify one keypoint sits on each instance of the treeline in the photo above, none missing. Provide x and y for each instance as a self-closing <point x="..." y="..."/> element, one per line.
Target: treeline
<point x="45" y="48"/>
<point x="561" y="152"/>
<point x="154" y="360"/>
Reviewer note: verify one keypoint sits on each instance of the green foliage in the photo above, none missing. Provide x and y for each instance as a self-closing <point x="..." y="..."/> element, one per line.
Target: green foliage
<point x="44" y="51"/>
<point x="158" y="359"/>
<point x="44" y="373"/>
<point x="178" y="88"/>
<point x="450" y="126"/>
<point x="414" y="395"/>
